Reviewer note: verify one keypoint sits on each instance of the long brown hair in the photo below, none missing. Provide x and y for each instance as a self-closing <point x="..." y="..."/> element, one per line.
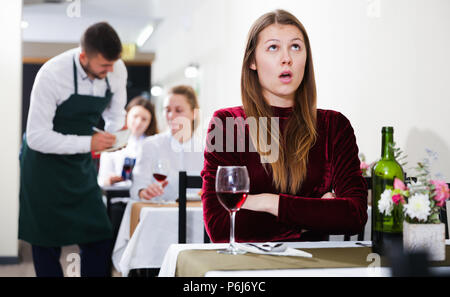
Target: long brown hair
<point x="152" y="128"/>
<point x="289" y="170"/>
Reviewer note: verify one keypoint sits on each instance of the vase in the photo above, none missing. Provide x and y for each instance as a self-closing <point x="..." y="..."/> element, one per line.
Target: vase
<point x="429" y="238"/>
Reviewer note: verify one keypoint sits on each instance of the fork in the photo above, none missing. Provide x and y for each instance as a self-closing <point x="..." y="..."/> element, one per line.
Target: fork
<point x="265" y="247"/>
<point x="258" y="247"/>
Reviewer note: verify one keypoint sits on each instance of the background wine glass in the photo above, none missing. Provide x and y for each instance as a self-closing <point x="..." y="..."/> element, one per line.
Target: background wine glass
<point x="232" y="187"/>
<point x="161" y="170"/>
<point x="127" y="169"/>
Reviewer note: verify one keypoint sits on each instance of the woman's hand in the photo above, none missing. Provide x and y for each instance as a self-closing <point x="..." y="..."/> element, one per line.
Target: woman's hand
<point x="113" y="179"/>
<point x="262" y="202"/>
<point x="153" y="190"/>
<point x="329" y="195"/>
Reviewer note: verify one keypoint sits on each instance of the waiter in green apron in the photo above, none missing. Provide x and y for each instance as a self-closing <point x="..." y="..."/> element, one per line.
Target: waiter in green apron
<point x="60" y="201"/>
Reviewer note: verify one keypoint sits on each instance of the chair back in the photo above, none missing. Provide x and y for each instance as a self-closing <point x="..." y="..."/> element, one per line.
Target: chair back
<point x="445" y="216"/>
<point x="186" y="182"/>
<point x="111" y="192"/>
<point x="368" y="180"/>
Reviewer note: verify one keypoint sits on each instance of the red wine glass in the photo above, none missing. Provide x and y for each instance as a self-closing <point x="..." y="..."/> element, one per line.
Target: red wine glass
<point x="161" y="170"/>
<point x="232" y="187"/>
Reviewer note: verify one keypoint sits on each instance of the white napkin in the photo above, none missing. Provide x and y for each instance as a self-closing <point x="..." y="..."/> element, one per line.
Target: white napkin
<point x="282" y="250"/>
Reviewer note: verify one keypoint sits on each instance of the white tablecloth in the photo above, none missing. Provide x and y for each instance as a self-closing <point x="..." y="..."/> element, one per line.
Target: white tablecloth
<point x="156" y="231"/>
<point x="170" y="263"/>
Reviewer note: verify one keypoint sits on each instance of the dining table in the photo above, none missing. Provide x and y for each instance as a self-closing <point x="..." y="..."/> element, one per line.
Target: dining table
<point x="327" y="258"/>
<point x="148" y="229"/>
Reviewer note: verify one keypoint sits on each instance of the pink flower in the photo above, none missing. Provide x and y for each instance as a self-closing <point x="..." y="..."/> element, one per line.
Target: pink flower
<point x="397" y="198"/>
<point x="398" y="184"/>
<point x="442" y="192"/>
<point x="364" y="166"/>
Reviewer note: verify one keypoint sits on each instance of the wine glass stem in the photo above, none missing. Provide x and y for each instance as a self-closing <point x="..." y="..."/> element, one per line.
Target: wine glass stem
<point x="232" y="215"/>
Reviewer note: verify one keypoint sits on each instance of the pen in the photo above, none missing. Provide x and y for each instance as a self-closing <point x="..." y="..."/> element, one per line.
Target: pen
<point x="97" y="130"/>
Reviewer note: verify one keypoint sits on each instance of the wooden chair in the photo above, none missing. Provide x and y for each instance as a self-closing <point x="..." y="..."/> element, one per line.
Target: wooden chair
<point x="114" y="192"/>
<point x="110" y="193"/>
<point x="361" y="234"/>
<point x="115" y="213"/>
<point x="185" y="182"/>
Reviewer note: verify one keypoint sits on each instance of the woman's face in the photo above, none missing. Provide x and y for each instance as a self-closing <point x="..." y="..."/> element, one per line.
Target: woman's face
<point x="138" y="120"/>
<point x="280" y="58"/>
<point x="179" y="114"/>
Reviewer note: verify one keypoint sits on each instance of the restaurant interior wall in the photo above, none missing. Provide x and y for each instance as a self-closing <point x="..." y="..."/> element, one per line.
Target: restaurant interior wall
<point x="379" y="62"/>
<point x="10" y="109"/>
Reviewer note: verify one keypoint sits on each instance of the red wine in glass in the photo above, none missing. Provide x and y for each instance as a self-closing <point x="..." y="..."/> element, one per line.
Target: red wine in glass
<point x="159" y="177"/>
<point x="232" y="188"/>
<point x="232" y="201"/>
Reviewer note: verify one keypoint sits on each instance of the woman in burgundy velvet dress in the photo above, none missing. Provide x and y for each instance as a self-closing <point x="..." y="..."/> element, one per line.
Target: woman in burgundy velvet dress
<point x="305" y="180"/>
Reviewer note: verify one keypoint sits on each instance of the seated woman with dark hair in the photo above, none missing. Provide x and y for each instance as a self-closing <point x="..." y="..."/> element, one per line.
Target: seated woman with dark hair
<point x="141" y="121"/>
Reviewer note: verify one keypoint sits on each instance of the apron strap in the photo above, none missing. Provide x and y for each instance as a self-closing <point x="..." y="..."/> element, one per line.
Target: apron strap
<point x="108" y="89"/>
<point x="75" y="78"/>
<point x="107" y="84"/>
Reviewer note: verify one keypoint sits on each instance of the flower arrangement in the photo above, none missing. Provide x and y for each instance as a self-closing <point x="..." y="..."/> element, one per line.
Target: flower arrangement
<point x="364" y="166"/>
<point x="422" y="200"/>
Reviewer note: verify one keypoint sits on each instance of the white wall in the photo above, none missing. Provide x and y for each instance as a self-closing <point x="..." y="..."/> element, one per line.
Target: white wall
<point x="194" y="34"/>
<point x="66" y="21"/>
<point x="10" y="111"/>
<point x="378" y="62"/>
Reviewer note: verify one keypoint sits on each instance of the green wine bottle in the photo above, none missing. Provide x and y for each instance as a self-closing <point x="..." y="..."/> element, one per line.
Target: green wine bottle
<point x="386" y="230"/>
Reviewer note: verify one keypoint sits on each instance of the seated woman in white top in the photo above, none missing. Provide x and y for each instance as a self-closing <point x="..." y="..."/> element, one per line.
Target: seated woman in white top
<point x="142" y="122"/>
<point x="179" y="147"/>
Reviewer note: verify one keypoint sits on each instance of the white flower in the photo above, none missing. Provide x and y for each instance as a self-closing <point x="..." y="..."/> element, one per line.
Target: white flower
<point x="385" y="204"/>
<point x="418" y="206"/>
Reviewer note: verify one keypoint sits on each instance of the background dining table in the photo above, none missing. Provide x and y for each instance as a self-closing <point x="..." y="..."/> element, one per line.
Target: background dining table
<point x="148" y="229"/>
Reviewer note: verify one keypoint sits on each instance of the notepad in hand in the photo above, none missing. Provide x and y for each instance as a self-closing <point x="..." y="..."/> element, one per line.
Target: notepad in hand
<point x="122" y="137"/>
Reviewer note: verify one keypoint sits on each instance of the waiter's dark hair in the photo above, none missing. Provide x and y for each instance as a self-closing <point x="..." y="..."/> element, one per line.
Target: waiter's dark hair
<point x="101" y="38"/>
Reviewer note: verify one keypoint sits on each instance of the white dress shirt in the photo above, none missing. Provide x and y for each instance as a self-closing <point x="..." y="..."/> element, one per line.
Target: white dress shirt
<point x="53" y="85"/>
<point x="111" y="163"/>
<point x="187" y="156"/>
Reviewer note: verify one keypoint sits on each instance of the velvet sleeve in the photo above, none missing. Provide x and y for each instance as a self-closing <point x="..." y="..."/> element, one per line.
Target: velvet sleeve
<point x="346" y="214"/>
<point x="216" y="218"/>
